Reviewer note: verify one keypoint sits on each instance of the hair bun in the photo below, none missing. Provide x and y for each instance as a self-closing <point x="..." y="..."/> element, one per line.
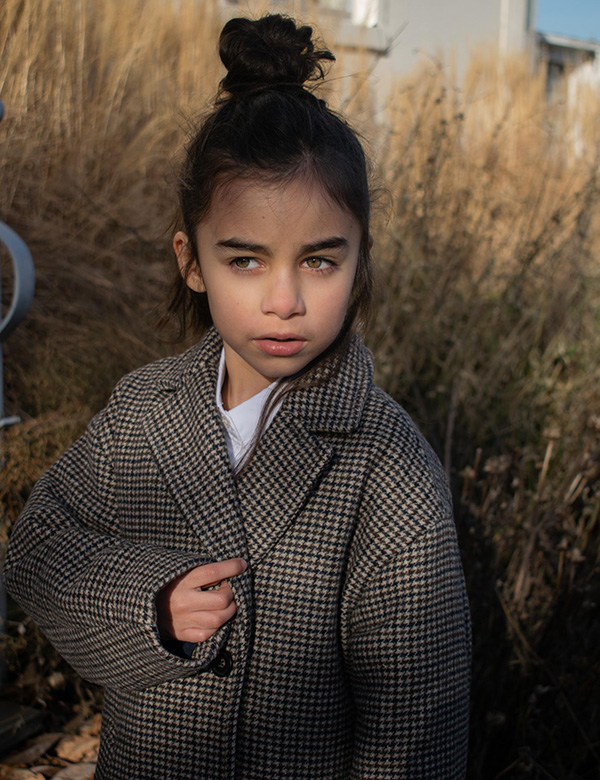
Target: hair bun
<point x="267" y="52"/>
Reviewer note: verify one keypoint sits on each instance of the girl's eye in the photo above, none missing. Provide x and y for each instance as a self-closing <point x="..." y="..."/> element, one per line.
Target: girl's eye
<point x="318" y="263"/>
<point x="244" y="263"/>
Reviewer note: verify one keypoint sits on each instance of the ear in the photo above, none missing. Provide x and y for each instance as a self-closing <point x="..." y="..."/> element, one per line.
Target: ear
<point x="189" y="268"/>
<point x="370" y="241"/>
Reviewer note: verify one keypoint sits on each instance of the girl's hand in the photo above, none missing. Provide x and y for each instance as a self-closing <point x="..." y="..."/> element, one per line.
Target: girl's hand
<point x="190" y="613"/>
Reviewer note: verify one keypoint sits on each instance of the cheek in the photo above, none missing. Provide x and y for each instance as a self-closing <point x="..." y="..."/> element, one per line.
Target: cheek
<point x="228" y="308"/>
<point x="339" y="299"/>
<point x="332" y="308"/>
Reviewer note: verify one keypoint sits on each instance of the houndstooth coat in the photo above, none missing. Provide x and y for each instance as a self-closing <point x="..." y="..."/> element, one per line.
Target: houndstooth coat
<point x="349" y="654"/>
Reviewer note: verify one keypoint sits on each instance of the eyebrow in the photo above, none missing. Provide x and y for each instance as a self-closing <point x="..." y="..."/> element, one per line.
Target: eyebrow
<point x="334" y="242"/>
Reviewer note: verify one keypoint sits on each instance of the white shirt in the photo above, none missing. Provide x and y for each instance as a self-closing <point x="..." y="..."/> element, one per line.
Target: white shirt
<point x="241" y="422"/>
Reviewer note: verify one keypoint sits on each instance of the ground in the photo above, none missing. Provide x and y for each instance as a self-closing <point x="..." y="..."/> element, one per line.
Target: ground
<point x="67" y="755"/>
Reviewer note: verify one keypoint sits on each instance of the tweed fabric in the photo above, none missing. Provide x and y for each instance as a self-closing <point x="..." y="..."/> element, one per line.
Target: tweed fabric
<point x="351" y="643"/>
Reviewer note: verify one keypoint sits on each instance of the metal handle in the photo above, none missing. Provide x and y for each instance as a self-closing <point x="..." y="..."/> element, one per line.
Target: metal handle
<point x="24" y="280"/>
<point x="23" y="289"/>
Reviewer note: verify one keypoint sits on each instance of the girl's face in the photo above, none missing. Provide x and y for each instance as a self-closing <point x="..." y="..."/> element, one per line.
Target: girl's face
<point x="277" y="263"/>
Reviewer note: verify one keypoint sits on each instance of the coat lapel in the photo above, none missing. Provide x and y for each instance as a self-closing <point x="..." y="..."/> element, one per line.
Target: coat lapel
<point x="279" y="480"/>
<point x="293" y="455"/>
<point x="187" y="439"/>
<point x="186" y="436"/>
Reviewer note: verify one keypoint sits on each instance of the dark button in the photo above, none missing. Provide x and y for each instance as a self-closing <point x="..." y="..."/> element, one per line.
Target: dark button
<point x="223" y="664"/>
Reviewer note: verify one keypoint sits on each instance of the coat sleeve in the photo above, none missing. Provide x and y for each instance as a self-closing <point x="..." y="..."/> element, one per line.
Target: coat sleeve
<point x="407" y="625"/>
<point x="410" y="665"/>
<point x="91" y="592"/>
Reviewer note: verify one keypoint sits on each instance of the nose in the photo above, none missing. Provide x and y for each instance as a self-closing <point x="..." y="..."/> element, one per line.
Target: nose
<point x="283" y="295"/>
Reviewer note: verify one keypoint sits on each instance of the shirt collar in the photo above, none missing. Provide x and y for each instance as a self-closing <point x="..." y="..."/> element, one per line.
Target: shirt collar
<point x="241" y="422"/>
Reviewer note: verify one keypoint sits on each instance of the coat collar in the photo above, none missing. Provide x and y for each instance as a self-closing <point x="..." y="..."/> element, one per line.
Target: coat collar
<point x="246" y="518"/>
<point x="334" y="405"/>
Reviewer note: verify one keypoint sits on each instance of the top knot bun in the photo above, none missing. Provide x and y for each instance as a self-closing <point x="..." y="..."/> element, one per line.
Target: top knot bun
<point x="268" y="52"/>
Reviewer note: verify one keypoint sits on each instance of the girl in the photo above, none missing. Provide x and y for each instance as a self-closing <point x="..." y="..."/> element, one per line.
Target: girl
<point x="252" y="547"/>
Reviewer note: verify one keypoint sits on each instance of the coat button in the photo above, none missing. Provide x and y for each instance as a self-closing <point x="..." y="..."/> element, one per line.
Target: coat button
<point x="223" y="664"/>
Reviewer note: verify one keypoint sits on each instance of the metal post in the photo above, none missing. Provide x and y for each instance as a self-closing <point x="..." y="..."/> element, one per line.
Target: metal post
<point x="23" y="289"/>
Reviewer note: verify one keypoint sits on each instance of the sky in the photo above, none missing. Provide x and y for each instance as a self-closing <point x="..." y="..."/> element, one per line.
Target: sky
<point x="576" y="18"/>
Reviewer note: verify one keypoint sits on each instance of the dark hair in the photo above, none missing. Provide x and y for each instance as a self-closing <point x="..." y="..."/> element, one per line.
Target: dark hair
<point x="266" y="123"/>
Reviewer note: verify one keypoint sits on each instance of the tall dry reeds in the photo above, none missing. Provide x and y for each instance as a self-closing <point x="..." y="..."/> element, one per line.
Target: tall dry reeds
<point x="488" y="331"/>
<point x="486" y="328"/>
<point x="97" y="100"/>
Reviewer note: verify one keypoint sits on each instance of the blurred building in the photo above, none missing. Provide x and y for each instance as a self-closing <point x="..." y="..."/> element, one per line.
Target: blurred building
<point x="568" y="58"/>
<point x="407" y="31"/>
<point x="398" y="35"/>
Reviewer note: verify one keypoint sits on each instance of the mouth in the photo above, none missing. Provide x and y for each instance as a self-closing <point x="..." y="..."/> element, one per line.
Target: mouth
<point x="281" y="344"/>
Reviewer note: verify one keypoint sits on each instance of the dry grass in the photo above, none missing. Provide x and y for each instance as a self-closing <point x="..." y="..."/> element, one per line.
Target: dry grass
<point x="488" y="330"/>
<point x="487" y="326"/>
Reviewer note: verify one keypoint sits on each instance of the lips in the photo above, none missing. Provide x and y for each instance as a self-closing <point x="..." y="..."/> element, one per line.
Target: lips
<point x="281" y="344"/>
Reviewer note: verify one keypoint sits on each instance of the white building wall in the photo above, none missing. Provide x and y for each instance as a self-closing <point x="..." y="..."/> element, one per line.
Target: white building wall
<point x="441" y="28"/>
<point x="451" y="29"/>
<point x="399" y="35"/>
<point x="521" y="15"/>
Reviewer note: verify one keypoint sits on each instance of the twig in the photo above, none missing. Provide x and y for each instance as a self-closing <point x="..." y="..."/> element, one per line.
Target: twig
<point x="544" y="470"/>
<point x="390" y="45"/>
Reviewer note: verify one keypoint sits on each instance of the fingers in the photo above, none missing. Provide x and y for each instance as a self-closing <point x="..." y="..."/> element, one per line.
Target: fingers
<point x="203" y="625"/>
<point x="213" y="573"/>
<point x="188" y="612"/>
<point x="190" y="600"/>
<point x="212" y="599"/>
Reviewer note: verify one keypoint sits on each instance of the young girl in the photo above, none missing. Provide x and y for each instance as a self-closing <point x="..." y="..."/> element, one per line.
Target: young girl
<point x="252" y="547"/>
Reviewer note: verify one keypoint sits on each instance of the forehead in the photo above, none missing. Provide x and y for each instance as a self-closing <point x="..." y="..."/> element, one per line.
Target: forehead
<point x="299" y="207"/>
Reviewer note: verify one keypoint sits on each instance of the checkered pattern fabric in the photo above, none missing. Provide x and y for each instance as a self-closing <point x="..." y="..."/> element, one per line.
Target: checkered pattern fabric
<point x="349" y="653"/>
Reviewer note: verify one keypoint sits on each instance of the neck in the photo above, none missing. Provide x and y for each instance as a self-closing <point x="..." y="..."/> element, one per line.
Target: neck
<point x="240" y="384"/>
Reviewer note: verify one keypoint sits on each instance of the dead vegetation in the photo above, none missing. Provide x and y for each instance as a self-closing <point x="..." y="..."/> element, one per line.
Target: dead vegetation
<point x="487" y="327"/>
<point x="69" y="755"/>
